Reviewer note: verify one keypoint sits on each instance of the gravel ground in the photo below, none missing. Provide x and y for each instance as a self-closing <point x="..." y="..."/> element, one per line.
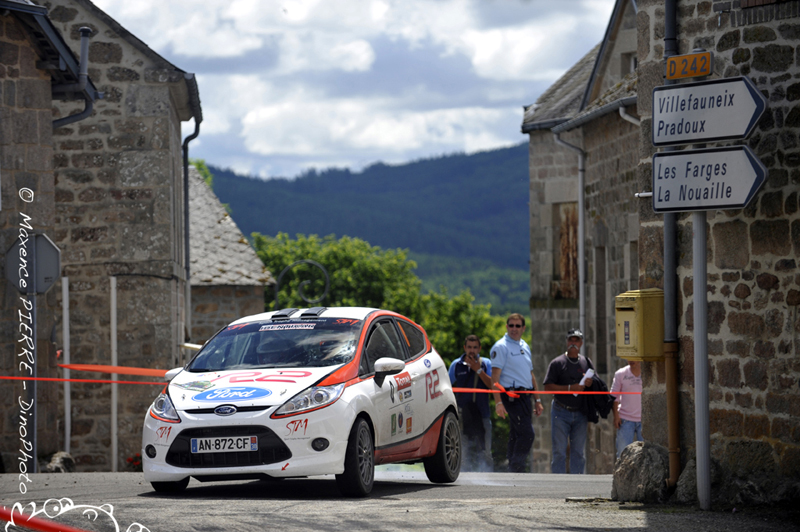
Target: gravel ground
<point x="401" y="501"/>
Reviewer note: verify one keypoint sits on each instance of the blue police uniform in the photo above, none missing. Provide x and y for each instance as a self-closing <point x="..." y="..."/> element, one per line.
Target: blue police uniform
<point x="476" y="414"/>
<point x="514" y="359"/>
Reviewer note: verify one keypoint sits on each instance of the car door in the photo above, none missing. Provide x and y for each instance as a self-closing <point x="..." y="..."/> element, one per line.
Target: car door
<point x="383" y="341"/>
<point x="411" y="383"/>
<point x="429" y="376"/>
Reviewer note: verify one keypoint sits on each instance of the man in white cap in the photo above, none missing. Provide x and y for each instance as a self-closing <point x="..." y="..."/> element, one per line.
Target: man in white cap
<point x="569" y="372"/>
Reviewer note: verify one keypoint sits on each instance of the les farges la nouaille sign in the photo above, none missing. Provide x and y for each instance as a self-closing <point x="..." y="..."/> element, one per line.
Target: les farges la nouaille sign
<point x="716" y="178"/>
<point x="694" y="113"/>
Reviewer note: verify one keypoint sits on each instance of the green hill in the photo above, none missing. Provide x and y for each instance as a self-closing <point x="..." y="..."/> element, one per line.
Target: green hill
<point x="464" y="218"/>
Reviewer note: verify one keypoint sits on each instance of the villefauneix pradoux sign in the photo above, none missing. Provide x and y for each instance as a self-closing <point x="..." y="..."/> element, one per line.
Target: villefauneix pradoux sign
<point x="707" y="111"/>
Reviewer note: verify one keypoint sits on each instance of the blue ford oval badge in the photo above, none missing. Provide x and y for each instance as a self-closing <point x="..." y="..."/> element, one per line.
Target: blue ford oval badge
<point x="240" y="393"/>
<point x="427" y="363"/>
<point x="225" y="410"/>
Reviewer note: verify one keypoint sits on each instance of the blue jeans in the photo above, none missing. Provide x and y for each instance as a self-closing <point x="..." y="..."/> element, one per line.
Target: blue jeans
<point x="568" y="426"/>
<point x="627" y="433"/>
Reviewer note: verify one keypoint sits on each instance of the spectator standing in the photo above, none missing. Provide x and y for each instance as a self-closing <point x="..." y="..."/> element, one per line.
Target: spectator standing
<point x="627" y="407"/>
<point x="566" y="373"/>
<point x="512" y="369"/>
<point x="471" y="370"/>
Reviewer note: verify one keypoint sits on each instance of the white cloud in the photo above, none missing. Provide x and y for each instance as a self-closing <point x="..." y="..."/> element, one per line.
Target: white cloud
<point x="373" y="126"/>
<point x="309" y="51"/>
<point x="295" y="110"/>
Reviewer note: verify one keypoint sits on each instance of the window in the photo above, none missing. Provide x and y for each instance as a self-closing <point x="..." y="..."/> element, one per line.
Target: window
<point x="414" y="337"/>
<point x="628" y="63"/>
<point x="382" y="342"/>
<point x="565" y="285"/>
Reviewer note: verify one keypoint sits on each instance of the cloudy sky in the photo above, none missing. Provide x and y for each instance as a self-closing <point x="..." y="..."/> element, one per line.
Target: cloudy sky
<point x="288" y="85"/>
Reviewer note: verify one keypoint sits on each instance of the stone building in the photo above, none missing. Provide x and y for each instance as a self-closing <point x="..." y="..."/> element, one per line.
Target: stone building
<point x="753" y="284"/>
<point x="119" y="193"/>
<point x="228" y="278"/>
<point x="753" y="280"/>
<point x="31" y="50"/>
<point x="583" y="109"/>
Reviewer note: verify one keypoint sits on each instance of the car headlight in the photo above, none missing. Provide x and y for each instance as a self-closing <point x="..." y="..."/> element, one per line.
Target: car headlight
<point x="310" y="399"/>
<point x="163" y="410"/>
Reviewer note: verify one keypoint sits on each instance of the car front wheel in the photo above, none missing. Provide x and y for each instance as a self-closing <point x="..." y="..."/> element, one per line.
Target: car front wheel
<point x="444" y="466"/>
<point x="359" y="462"/>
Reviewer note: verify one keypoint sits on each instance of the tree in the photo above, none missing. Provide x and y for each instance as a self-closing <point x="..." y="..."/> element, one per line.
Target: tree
<point x="448" y="320"/>
<point x="368" y="276"/>
<point x="360" y="275"/>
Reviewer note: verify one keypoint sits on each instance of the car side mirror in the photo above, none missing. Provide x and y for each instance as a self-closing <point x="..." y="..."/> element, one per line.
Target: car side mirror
<point x="387" y="366"/>
<point x="172" y="373"/>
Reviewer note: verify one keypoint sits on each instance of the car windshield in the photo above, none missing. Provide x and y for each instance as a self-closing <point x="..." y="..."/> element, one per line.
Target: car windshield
<point x="280" y="344"/>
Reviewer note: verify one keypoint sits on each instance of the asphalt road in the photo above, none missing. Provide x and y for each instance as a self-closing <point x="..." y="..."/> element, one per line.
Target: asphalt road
<point x="400" y="501"/>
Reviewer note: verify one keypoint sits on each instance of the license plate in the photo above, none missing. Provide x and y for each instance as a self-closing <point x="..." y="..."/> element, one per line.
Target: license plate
<point x="225" y="445"/>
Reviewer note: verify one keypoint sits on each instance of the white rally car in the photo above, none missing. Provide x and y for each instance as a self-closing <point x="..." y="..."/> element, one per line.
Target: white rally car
<point x="302" y="392"/>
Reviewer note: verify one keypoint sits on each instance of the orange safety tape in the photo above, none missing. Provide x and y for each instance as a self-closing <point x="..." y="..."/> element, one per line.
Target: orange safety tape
<point x="517" y="392"/>
<point x="77" y="380"/>
<point x="35" y="523"/>
<point x="120" y="370"/>
<point x="502" y="389"/>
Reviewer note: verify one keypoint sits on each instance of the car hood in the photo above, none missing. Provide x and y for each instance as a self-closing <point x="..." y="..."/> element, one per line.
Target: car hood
<point x="260" y="387"/>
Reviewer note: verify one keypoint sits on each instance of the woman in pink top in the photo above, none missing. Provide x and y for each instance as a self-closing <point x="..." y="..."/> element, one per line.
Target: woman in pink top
<point x="627" y="407"/>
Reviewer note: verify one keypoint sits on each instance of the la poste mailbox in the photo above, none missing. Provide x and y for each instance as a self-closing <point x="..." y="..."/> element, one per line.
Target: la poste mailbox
<point x="640" y="324"/>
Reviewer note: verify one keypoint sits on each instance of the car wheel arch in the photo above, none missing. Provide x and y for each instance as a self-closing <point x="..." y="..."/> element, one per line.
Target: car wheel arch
<point x="366" y="417"/>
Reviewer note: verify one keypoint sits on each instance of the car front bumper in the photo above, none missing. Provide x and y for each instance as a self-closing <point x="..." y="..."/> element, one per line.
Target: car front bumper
<point x="288" y="444"/>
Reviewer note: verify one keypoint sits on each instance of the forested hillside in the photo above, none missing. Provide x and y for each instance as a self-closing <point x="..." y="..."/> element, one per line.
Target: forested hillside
<point x="464" y="218"/>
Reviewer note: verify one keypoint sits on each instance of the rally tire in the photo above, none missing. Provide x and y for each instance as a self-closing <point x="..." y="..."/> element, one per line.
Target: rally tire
<point x="170" y="487"/>
<point x="444" y="466"/>
<point x="359" y="462"/>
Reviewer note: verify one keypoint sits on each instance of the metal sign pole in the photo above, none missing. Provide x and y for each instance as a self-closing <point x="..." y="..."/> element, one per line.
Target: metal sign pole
<point x="701" y="416"/>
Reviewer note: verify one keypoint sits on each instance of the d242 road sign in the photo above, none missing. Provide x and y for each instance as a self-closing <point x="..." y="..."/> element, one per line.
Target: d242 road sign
<point x="706" y="111"/>
<point x="700" y="180"/>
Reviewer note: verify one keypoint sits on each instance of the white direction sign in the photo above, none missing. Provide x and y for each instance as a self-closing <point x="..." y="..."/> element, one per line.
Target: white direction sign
<point x="710" y="179"/>
<point x="706" y="111"/>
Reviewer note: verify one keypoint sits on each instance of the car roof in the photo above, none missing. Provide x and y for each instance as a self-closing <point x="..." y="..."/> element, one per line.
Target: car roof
<point x="353" y="313"/>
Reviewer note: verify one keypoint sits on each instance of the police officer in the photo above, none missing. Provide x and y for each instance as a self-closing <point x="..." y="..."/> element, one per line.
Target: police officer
<point x="512" y="368"/>
<point x="471" y="370"/>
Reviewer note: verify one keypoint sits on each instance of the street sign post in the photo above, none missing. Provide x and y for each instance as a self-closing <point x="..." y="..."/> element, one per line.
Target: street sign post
<point x="21" y="266"/>
<point x="33" y="263"/>
<point x="699" y="180"/>
<point x="706" y="111"/>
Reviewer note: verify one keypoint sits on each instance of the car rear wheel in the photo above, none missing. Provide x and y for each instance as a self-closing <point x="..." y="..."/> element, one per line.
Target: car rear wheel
<point x="444" y="466"/>
<point x="359" y="462"/>
<point x="170" y="487"/>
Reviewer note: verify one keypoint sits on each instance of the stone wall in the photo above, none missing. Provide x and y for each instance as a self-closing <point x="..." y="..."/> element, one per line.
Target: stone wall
<point x="119" y="212"/>
<point x="552" y="170"/>
<point x="753" y="280"/>
<point x="213" y="307"/>
<point x="25" y="162"/>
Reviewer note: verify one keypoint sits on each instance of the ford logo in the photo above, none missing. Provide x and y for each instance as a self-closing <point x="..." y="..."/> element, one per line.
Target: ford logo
<point x="241" y="393"/>
<point x="225" y="410"/>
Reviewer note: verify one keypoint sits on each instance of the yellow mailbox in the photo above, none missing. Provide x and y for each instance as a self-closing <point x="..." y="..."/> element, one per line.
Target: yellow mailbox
<point x="640" y="324"/>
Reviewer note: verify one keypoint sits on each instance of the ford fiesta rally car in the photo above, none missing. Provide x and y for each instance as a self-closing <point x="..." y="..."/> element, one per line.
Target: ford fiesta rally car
<point x="302" y="392"/>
